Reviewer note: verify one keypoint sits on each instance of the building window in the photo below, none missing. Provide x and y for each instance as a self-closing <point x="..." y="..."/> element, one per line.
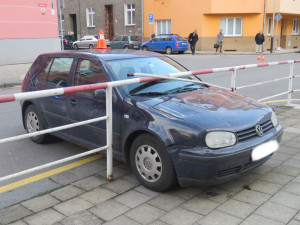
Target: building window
<point x="270" y="21"/>
<point x="163" y="27"/>
<point x="90" y="14"/>
<point x="295" y="26"/>
<point x="231" y="26"/>
<point x="129" y="14"/>
<point x="62" y="23"/>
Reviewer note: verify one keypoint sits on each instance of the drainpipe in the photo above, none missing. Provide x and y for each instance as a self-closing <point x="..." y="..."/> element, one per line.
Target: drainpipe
<point x="60" y="25"/>
<point x="79" y="20"/>
<point x="142" y="7"/>
<point x="264" y="22"/>
<point x="272" y="37"/>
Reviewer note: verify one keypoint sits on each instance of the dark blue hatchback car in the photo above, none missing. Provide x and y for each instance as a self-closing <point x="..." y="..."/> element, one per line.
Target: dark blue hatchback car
<point x="169" y="130"/>
<point x="167" y="43"/>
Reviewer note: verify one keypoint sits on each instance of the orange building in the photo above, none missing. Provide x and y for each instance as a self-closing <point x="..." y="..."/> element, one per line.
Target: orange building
<point x="239" y="20"/>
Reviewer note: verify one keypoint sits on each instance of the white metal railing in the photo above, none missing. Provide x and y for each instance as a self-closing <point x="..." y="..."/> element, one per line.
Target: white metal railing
<point x="109" y="85"/>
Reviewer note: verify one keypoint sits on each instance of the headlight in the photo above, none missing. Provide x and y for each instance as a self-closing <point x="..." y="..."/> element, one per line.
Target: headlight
<point x="274" y="119"/>
<point x="220" y="139"/>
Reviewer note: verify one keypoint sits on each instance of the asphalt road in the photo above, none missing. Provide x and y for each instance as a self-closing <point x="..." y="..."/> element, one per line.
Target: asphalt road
<point x="24" y="154"/>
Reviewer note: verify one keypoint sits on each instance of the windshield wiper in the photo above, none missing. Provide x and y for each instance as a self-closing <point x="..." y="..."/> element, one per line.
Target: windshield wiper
<point x="152" y="93"/>
<point x="186" y="89"/>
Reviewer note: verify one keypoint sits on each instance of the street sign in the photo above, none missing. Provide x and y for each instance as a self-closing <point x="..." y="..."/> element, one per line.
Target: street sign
<point x="150" y="18"/>
<point x="278" y="17"/>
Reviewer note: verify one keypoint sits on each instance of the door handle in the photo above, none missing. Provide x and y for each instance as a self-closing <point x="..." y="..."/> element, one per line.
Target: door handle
<point x="73" y="102"/>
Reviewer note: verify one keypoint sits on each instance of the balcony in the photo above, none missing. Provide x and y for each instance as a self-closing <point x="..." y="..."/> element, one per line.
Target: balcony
<point x="284" y="6"/>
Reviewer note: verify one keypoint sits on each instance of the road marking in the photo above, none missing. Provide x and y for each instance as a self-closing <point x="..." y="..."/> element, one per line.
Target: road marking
<point x="282" y="100"/>
<point x="3" y="88"/>
<point x="49" y="173"/>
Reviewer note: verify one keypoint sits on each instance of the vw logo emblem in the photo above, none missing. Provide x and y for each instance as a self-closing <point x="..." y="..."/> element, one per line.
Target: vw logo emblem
<point x="259" y="130"/>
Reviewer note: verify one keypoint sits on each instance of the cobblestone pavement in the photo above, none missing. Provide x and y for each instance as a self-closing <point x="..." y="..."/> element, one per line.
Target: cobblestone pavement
<point x="269" y="194"/>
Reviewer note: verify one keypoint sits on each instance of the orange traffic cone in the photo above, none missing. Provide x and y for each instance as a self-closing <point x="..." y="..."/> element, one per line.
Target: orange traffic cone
<point x="258" y="57"/>
<point x="263" y="58"/>
<point x="101" y="44"/>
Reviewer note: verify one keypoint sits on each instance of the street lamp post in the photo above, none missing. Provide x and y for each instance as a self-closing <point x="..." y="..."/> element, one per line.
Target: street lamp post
<point x="272" y="36"/>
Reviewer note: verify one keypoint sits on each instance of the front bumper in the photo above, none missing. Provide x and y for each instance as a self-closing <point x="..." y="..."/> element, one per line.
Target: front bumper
<point x="207" y="167"/>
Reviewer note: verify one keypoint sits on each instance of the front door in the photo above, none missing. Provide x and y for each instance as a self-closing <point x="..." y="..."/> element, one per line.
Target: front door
<point x="109" y="22"/>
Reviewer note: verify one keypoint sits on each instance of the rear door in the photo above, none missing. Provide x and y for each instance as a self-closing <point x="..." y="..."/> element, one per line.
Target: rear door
<point x="55" y="73"/>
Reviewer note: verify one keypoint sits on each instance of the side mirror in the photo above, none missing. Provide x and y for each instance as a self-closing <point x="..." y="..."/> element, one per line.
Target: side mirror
<point x="100" y="94"/>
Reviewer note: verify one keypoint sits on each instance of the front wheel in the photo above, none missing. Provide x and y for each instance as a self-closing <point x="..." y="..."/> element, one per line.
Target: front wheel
<point x="145" y="48"/>
<point x="168" y="50"/>
<point x="33" y="123"/>
<point x="76" y="46"/>
<point x="152" y="164"/>
<point x="126" y="47"/>
<point x="91" y="46"/>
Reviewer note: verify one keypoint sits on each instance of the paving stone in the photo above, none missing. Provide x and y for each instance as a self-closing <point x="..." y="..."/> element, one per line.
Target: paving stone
<point x="288" y="150"/>
<point x="281" y="156"/>
<point x="146" y="191"/>
<point x="287" y="170"/>
<point x="293" y="129"/>
<point x="67" y="192"/>
<point x="72" y="206"/>
<point x="145" y="213"/>
<point x="122" y="220"/>
<point x="82" y="218"/>
<point x="97" y="195"/>
<point x="261" y="170"/>
<point x="233" y="186"/>
<point x="297" y="217"/>
<point x="265" y="187"/>
<point x="219" y="218"/>
<point x="216" y="194"/>
<point x="276" y="212"/>
<point x="166" y="201"/>
<point x="297" y="179"/>
<point x="181" y="216"/>
<point x="286" y="199"/>
<point x="45" y="217"/>
<point x="132" y="198"/>
<point x="252" y="197"/>
<point x="185" y="193"/>
<point x="293" y="143"/>
<point x="294" y="222"/>
<point x="237" y="208"/>
<point x="40" y="203"/>
<point x="200" y="205"/>
<point x="158" y="222"/>
<point x="255" y="219"/>
<point x="90" y="183"/>
<point x="273" y="162"/>
<point x="132" y="179"/>
<point x="13" y="213"/>
<point x="288" y="135"/>
<point x="120" y="186"/>
<point x="248" y="178"/>
<point x="277" y="178"/>
<point x="292" y="187"/>
<point x="18" y="223"/>
<point x="118" y="173"/>
<point x="297" y="156"/>
<point x="109" y="210"/>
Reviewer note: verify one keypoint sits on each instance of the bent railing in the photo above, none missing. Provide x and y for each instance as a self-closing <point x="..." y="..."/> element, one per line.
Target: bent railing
<point x="109" y="85"/>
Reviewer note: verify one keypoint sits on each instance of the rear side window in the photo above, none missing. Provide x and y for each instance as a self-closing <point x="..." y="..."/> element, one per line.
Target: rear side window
<point x="125" y="38"/>
<point x="171" y="39"/>
<point x="42" y="78"/>
<point x="59" y="72"/>
<point x="88" y="72"/>
<point x="134" y="38"/>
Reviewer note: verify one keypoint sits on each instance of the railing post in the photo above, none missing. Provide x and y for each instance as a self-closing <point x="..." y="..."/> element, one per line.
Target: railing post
<point x="291" y="76"/>
<point x="109" y="155"/>
<point x="233" y="78"/>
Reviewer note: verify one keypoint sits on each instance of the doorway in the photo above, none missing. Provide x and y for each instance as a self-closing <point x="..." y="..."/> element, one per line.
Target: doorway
<point x="109" y="22"/>
<point x="73" y="23"/>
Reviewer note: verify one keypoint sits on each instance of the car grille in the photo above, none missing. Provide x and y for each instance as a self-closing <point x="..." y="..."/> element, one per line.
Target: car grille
<point x="241" y="169"/>
<point x="251" y="132"/>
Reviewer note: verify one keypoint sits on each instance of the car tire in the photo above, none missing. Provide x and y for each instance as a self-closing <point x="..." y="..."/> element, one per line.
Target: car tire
<point x="152" y="164"/>
<point x="76" y="46"/>
<point x="91" y="46"/>
<point x="169" y="50"/>
<point x="126" y="47"/>
<point x="33" y="122"/>
<point x="145" y="48"/>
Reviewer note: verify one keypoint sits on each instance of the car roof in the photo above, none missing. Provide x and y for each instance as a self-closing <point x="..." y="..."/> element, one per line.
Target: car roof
<point x="108" y="54"/>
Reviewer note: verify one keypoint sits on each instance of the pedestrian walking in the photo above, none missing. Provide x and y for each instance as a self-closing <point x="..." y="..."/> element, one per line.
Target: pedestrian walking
<point x="220" y="38"/>
<point x="193" y="38"/>
<point x="152" y="35"/>
<point x="259" y="40"/>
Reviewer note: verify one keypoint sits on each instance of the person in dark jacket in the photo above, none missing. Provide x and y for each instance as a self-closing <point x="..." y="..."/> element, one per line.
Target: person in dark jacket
<point x="259" y="39"/>
<point x="193" y="38"/>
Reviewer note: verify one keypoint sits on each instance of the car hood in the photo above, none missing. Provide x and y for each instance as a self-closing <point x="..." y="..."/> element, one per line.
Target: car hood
<point x="212" y="108"/>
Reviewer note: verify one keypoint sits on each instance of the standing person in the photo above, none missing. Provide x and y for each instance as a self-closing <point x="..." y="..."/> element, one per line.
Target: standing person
<point x="259" y="39"/>
<point x="220" y="38"/>
<point x="193" y="38"/>
<point x="152" y="35"/>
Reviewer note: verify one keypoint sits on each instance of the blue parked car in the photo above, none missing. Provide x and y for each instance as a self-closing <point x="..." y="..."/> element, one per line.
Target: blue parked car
<point x="169" y="130"/>
<point x="167" y="43"/>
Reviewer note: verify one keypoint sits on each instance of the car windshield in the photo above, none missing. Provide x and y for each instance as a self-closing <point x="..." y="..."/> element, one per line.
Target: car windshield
<point x="151" y="65"/>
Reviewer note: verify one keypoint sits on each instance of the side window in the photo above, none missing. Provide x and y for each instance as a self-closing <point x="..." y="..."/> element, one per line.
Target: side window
<point x="125" y="38"/>
<point x="155" y="39"/>
<point x="171" y="39"/>
<point x="118" y="38"/>
<point x="88" y="72"/>
<point x="164" y="39"/>
<point x="59" y="72"/>
<point x="42" y="77"/>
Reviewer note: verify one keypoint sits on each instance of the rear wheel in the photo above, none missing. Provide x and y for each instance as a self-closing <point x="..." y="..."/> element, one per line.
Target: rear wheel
<point x="145" y="48"/>
<point x="169" y="50"/>
<point x="126" y="47"/>
<point x="152" y="164"/>
<point x="33" y="123"/>
<point x="91" y="46"/>
<point x="75" y="46"/>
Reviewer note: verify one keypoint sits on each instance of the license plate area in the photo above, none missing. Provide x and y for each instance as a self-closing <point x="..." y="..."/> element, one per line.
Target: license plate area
<point x="264" y="150"/>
